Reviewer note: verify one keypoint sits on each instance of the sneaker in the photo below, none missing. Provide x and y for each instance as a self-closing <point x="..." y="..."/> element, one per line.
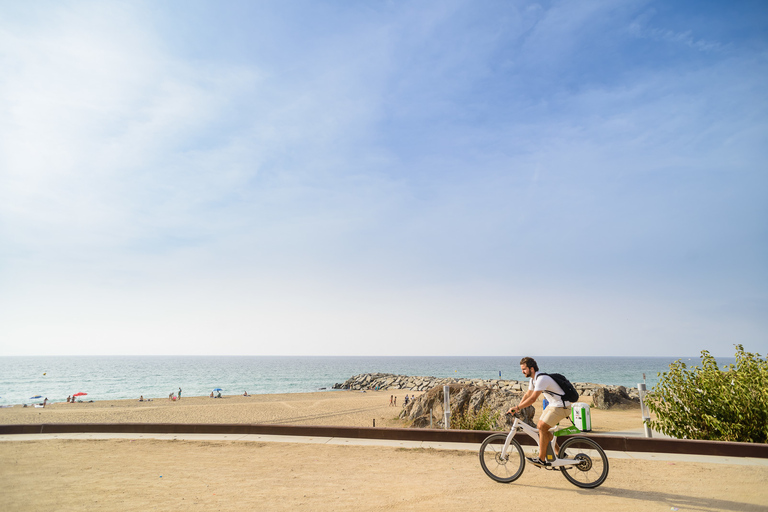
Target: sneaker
<point x="538" y="462"/>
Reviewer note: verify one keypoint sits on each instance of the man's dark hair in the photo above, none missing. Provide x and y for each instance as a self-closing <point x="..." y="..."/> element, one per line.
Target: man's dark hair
<point x="530" y="363"/>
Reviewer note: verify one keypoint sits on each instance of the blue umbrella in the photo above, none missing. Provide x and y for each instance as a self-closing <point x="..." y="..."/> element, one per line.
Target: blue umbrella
<point x="218" y="389"/>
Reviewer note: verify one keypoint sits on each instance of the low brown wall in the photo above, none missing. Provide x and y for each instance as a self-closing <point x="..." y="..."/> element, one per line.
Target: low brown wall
<point x="608" y="442"/>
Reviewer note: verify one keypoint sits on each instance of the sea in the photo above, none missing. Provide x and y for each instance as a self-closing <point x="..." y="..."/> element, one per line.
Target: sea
<point x="23" y="379"/>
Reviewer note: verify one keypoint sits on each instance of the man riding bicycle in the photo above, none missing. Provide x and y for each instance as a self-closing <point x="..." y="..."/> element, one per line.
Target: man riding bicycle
<point x="557" y="409"/>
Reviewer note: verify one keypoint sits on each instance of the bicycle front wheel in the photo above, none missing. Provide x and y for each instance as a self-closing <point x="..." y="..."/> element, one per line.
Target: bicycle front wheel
<point x="592" y="469"/>
<point x="506" y="469"/>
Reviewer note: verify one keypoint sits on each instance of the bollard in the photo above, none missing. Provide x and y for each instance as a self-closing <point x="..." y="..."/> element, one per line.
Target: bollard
<point x="644" y="410"/>
<point x="447" y="406"/>
<point x="374" y="422"/>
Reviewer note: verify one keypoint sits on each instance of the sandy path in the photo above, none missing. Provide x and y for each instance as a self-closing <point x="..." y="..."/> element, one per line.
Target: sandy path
<point x="73" y="475"/>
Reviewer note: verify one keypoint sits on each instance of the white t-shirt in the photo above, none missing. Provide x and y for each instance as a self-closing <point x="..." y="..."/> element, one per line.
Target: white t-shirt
<point x="549" y="388"/>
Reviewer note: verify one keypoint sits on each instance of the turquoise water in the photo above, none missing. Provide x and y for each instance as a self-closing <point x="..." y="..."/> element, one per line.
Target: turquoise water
<point x="111" y="378"/>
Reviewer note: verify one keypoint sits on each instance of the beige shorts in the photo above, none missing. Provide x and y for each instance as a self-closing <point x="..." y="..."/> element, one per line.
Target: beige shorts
<point x="553" y="415"/>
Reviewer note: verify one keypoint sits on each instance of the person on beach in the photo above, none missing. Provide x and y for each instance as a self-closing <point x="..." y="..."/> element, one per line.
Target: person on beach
<point x="557" y="409"/>
<point x="179" y="393"/>
<point x="211" y="394"/>
<point x="69" y="398"/>
<point x="390" y="400"/>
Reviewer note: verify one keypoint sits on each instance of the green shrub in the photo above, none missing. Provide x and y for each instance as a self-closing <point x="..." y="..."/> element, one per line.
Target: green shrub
<point x="707" y="402"/>
<point x="484" y="419"/>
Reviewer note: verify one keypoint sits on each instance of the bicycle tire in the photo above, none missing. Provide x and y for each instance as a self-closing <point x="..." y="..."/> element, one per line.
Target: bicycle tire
<point x="502" y="470"/>
<point x="593" y="468"/>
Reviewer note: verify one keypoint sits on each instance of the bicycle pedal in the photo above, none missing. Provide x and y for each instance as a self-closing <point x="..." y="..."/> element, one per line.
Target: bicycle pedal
<point x="538" y="462"/>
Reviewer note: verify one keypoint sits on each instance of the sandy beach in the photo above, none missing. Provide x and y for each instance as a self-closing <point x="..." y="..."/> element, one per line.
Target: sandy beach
<point x="142" y="474"/>
<point x="347" y="408"/>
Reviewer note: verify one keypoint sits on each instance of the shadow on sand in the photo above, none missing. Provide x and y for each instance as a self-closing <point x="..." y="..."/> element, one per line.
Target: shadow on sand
<point x="669" y="500"/>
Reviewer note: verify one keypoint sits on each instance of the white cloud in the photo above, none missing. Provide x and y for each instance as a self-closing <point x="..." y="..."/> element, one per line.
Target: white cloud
<point x="98" y="118"/>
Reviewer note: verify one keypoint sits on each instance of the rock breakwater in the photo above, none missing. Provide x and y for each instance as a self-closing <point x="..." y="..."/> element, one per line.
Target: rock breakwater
<point x="392" y="382"/>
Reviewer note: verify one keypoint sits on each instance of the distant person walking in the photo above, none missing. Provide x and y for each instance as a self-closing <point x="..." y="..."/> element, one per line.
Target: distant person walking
<point x="179" y="393"/>
<point x="390" y="400"/>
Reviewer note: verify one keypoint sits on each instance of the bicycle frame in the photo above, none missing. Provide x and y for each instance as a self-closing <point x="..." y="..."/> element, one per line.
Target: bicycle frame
<point x="583" y="462"/>
<point x="534" y="434"/>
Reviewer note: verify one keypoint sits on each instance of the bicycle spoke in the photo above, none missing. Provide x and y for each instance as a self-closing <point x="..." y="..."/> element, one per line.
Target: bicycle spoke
<point x="505" y="469"/>
<point x="592" y="468"/>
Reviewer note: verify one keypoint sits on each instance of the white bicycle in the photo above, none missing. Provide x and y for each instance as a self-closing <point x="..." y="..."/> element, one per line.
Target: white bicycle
<point x="580" y="460"/>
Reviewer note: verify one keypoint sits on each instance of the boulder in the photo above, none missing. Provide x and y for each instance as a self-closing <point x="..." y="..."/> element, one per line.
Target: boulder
<point x="612" y="397"/>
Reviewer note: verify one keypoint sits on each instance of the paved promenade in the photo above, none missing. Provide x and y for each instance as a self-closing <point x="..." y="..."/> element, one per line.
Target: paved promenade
<point x="263" y="438"/>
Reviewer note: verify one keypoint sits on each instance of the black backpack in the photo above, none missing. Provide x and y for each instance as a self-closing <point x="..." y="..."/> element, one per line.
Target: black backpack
<point x="569" y="392"/>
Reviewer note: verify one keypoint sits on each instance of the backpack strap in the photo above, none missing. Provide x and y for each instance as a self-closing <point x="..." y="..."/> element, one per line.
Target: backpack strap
<point x="562" y="396"/>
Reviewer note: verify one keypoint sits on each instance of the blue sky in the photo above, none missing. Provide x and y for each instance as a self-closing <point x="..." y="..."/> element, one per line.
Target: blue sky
<point x="383" y="178"/>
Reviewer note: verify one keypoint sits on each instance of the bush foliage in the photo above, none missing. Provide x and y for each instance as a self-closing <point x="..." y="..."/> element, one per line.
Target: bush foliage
<point x="707" y="402"/>
<point x="484" y="419"/>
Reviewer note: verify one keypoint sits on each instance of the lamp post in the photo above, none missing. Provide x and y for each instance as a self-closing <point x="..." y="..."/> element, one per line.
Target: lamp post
<point x="447" y="406"/>
<point x="643" y="409"/>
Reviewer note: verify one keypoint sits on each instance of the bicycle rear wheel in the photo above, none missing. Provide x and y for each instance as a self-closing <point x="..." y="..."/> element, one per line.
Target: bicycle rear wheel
<point x="504" y="470"/>
<point x="592" y="470"/>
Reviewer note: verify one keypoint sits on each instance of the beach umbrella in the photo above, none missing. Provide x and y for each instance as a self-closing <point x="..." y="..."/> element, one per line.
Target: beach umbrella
<point x="35" y="397"/>
<point x="218" y="389"/>
<point x="80" y="394"/>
